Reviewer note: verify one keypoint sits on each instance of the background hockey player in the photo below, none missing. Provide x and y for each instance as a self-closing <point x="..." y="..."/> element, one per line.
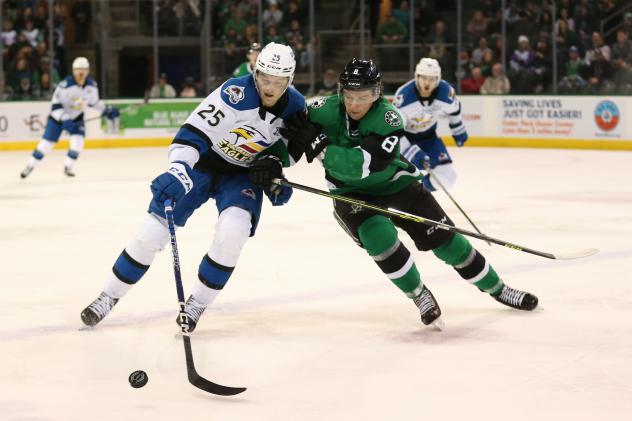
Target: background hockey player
<point x="247" y="67"/>
<point x="356" y="135"/>
<point x="231" y="136"/>
<point x="70" y="99"/>
<point x="420" y="101"/>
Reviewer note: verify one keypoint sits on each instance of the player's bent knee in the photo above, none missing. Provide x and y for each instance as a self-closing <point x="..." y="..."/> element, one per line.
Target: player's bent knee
<point x="231" y="233"/>
<point x="152" y="236"/>
<point x="377" y="234"/>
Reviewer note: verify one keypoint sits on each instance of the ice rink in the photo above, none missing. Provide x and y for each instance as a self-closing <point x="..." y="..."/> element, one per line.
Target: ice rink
<point x="308" y="322"/>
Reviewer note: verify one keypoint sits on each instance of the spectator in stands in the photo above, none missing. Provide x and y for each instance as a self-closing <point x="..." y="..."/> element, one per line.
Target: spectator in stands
<point x="391" y="31"/>
<point x="294" y="38"/>
<point x="273" y="35"/>
<point x="42" y="87"/>
<point x="43" y="66"/>
<point x="425" y="18"/>
<point x="497" y="83"/>
<point x="477" y="26"/>
<point x="272" y="16"/>
<point x="8" y="35"/>
<point x="622" y="61"/>
<point x="19" y="79"/>
<point x="464" y="65"/>
<point x="232" y="52"/>
<point x="5" y="92"/>
<point x="597" y="46"/>
<point x="472" y="84"/>
<point x="528" y="26"/>
<point x="188" y="88"/>
<point x="329" y="84"/>
<point x="522" y="74"/>
<point x="564" y="16"/>
<point x="511" y="14"/>
<point x="31" y="33"/>
<point x="565" y="37"/>
<point x="402" y="13"/>
<point x="162" y="89"/>
<point x="585" y="22"/>
<point x="237" y="23"/>
<point x="293" y="12"/>
<point x="599" y="80"/>
<point x="487" y="63"/>
<point x="542" y="65"/>
<point x="572" y="80"/>
<point x="251" y="34"/>
<point x="478" y="53"/>
<point x="82" y="17"/>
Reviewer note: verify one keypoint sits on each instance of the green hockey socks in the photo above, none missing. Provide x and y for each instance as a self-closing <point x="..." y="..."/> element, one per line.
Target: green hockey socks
<point x="470" y="264"/>
<point x="379" y="238"/>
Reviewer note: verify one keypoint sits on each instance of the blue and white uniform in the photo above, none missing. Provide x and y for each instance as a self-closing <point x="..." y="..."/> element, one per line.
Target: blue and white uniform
<point x="420" y="117"/>
<point x="68" y="105"/>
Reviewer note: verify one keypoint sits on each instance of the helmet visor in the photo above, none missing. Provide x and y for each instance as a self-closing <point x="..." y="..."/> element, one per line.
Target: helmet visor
<point x="360" y="96"/>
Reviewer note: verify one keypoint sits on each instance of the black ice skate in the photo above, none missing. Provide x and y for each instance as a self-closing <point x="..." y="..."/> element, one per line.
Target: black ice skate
<point x="517" y="299"/>
<point x="99" y="308"/>
<point x="26" y="171"/>
<point x="429" y="308"/>
<point x="193" y="310"/>
<point x="68" y="171"/>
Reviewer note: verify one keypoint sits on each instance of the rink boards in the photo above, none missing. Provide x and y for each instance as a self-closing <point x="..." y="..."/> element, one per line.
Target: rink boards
<point x="578" y="122"/>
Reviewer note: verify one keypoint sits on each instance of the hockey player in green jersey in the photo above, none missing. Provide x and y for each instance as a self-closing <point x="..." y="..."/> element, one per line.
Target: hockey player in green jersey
<point x="355" y="134"/>
<point x="247" y="67"/>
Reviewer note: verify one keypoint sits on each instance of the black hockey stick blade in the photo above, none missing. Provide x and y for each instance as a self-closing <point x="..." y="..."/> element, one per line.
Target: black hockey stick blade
<point x="200" y="382"/>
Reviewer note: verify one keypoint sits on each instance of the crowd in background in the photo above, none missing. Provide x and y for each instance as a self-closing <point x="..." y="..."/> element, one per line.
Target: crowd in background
<point x="587" y="62"/>
<point x="26" y="34"/>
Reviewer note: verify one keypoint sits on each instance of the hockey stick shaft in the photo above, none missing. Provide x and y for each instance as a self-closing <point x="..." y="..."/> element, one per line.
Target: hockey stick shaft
<point x="194" y="378"/>
<point x="430" y="222"/>
<point x="443" y="188"/>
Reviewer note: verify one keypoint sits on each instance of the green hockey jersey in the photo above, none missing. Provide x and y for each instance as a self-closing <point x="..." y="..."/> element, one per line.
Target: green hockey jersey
<point x="350" y="168"/>
<point x="242" y="70"/>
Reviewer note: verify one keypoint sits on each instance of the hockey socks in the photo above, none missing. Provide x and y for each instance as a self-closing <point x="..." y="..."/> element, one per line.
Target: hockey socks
<point x="470" y="264"/>
<point x="379" y="238"/>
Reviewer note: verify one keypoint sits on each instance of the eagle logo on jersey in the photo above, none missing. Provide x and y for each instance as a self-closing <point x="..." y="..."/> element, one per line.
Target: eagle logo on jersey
<point x="235" y="93"/>
<point x="392" y="119"/>
<point x="245" y="145"/>
<point x="319" y="102"/>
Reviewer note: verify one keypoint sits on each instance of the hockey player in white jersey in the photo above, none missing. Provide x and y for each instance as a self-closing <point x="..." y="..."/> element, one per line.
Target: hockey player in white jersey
<point x="70" y="99"/>
<point x="228" y="143"/>
<point x="420" y="101"/>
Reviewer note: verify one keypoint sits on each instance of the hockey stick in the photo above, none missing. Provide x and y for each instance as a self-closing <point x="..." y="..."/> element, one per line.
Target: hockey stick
<point x="430" y="222"/>
<point x="194" y="378"/>
<point x="435" y="178"/>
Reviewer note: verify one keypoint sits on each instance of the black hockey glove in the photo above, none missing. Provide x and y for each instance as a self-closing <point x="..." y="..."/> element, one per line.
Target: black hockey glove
<point x="304" y="135"/>
<point x="265" y="169"/>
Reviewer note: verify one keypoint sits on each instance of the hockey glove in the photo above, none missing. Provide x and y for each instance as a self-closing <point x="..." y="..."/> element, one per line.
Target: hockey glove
<point x="304" y="135"/>
<point x="280" y="196"/>
<point x="417" y="157"/>
<point x="173" y="184"/>
<point x="265" y="169"/>
<point x="460" y="139"/>
<point x="111" y="113"/>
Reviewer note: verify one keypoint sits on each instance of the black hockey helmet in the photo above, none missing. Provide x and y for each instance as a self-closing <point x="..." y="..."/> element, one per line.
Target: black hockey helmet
<point x="254" y="47"/>
<point x="360" y="74"/>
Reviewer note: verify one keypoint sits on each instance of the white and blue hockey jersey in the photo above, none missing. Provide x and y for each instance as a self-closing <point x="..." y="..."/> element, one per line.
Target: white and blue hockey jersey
<point x="70" y="100"/>
<point x="420" y="114"/>
<point x="227" y="131"/>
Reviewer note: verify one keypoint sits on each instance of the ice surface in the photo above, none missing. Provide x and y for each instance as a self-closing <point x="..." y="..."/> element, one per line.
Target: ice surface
<point x="307" y="322"/>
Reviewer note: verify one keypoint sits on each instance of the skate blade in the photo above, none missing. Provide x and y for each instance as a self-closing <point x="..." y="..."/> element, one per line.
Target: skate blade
<point x="438" y="324"/>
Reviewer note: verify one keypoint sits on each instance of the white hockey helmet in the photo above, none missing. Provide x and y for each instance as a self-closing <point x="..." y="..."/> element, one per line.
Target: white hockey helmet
<point x="428" y="67"/>
<point x="276" y="60"/>
<point x="81" y="63"/>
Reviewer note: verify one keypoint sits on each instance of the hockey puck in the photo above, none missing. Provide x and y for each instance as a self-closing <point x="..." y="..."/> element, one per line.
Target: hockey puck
<point x="138" y="379"/>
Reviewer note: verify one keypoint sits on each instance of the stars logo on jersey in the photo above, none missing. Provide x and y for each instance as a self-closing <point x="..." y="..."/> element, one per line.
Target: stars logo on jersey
<point x="319" y="102"/>
<point x="392" y="119"/>
<point x="235" y="93"/>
